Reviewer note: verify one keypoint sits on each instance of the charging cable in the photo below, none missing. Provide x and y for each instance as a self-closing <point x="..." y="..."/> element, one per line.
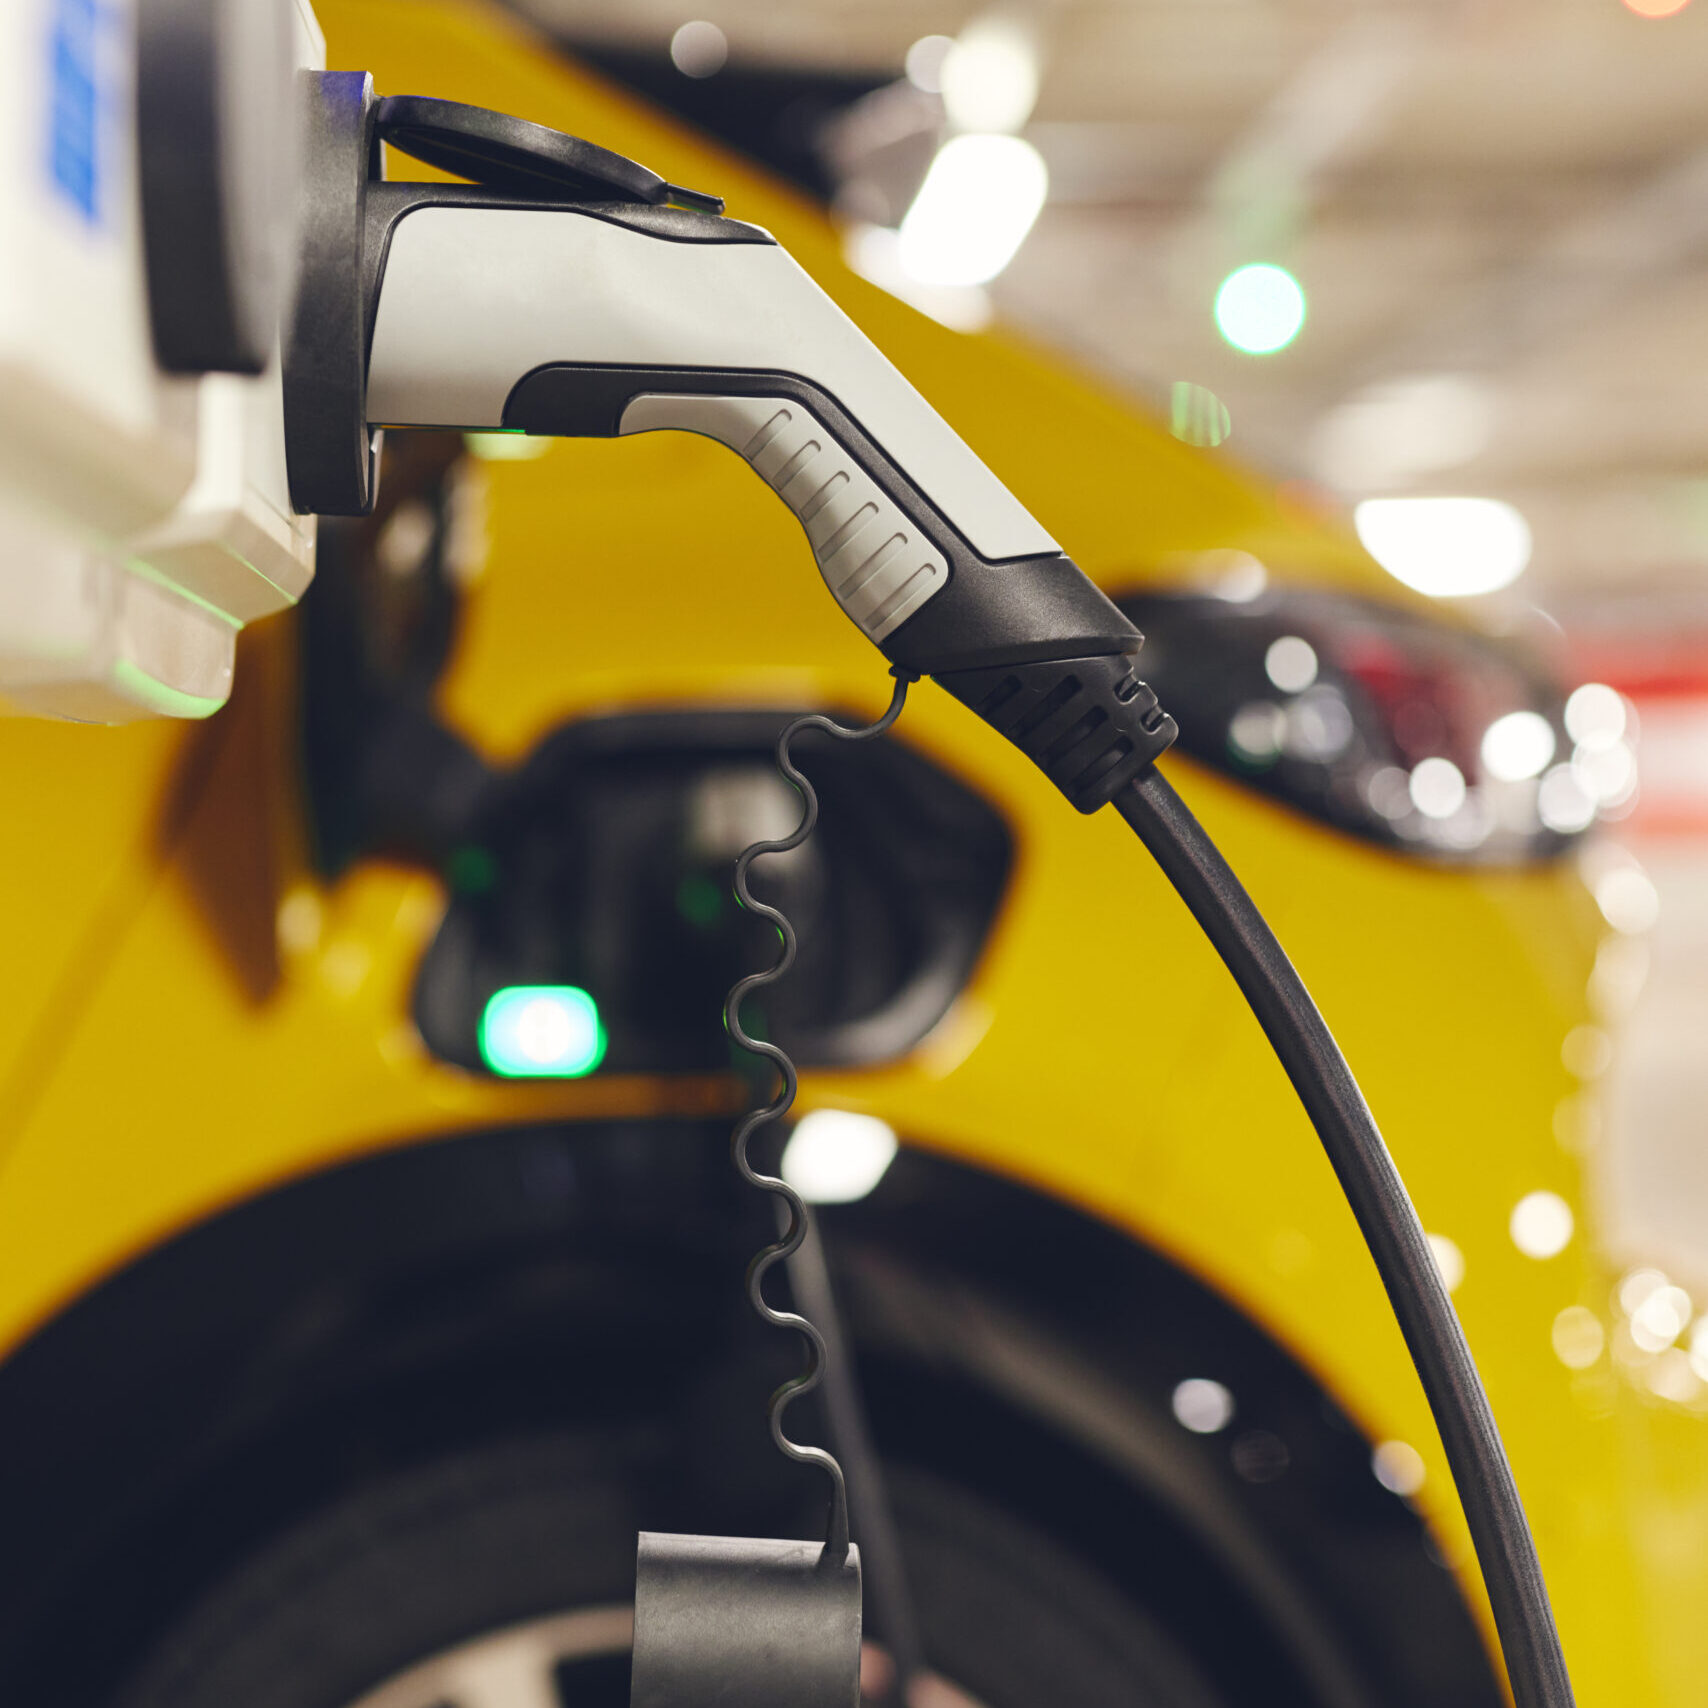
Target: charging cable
<point x="1301" y="1039"/>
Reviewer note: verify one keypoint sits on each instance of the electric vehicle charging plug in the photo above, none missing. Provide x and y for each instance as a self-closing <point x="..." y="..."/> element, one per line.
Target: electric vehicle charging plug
<point x="580" y="307"/>
<point x="570" y="294"/>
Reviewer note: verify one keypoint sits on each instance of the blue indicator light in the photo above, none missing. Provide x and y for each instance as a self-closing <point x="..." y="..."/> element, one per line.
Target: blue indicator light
<point x="74" y="104"/>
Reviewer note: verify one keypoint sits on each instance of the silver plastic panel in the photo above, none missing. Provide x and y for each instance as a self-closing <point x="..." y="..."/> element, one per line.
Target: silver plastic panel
<point x="878" y="565"/>
<point x="475" y="298"/>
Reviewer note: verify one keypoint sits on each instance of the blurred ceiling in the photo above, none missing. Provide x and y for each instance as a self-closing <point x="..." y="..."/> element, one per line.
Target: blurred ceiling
<point x="1498" y="211"/>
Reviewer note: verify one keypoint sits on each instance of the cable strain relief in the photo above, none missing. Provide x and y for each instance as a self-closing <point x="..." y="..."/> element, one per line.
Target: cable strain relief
<point x="1089" y="724"/>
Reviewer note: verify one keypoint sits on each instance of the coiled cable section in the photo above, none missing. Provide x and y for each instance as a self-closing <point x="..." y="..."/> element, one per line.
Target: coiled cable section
<point x="836" y="1532"/>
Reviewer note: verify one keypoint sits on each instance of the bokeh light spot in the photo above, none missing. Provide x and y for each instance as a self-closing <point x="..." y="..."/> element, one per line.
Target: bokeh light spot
<point x="1196" y="416"/>
<point x="1518" y="746"/>
<point x="699" y="49"/>
<point x="924" y="63"/>
<point x="1291" y="663"/>
<point x="1449" y="1261"/>
<point x="1595" y="715"/>
<point x="978" y="202"/>
<point x="1203" y="1406"/>
<point x="1628" y="899"/>
<point x="1437" y="788"/>
<point x="1578" y="1337"/>
<point x="1398" y="1467"/>
<point x="1541" y="1224"/>
<point x="1260" y="308"/>
<point x="1445" y="547"/>
<point x="1661" y="1318"/>
<point x="542" y="1032"/>
<point x="835" y="1156"/>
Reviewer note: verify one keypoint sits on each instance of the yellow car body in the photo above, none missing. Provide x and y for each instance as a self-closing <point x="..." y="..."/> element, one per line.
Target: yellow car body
<point x="193" y="1016"/>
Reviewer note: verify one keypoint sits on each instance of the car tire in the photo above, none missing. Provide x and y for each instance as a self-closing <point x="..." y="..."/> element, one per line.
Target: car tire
<point x="359" y="1604"/>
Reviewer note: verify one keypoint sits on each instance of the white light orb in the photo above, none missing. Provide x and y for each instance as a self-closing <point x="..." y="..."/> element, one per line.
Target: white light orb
<point x="1291" y="663"/>
<point x="1203" y="1406"/>
<point x="1661" y="1318"/>
<point x="1260" y="308"/>
<point x="1398" y="1467"/>
<point x="924" y="62"/>
<point x="1541" y="1224"/>
<point x="1628" y="899"/>
<point x="1562" y="802"/>
<point x="835" y="1156"/>
<point x="1518" y="746"/>
<point x="980" y="198"/>
<point x="1449" y="1261"/>
<point x="1437" y="788"/>
<point x="1577" y="1337"/>
<point x="989" y="76"/>
<point x="1595" y="715"/>
<point x="1445" y="547"/>
<point x="699" y="49"/>
<point x="1608" y="775"/>
<point x="546" y="1032"/>
<point x="1257" y="729"/>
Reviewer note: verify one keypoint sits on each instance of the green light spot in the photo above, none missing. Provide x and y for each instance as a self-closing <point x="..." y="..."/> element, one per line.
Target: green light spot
<point x="700" y="901"/>
<point x="507" y="445"/>
<point x="542" y="1031"/>
<point x="1197" y="416"/>
<point x="1260" y="308"/>
<point x="472" y="871"/>
<point x="169" y="702"/>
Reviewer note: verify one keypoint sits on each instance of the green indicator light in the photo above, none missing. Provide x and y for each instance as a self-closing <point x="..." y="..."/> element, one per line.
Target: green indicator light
<point x="699" y="901"/>
<point x="1260" y="308"/>
<point x="542" y="1031"/>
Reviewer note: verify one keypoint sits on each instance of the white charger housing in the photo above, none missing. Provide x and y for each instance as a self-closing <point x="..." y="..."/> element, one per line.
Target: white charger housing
<point x="144" y="517"/>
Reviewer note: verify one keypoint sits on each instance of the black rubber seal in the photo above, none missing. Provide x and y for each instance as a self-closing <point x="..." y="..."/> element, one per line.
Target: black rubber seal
<point x="330" y="452"/>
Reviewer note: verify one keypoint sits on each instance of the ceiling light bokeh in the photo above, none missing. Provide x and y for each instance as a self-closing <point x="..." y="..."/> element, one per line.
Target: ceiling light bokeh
<point x="699" y="49"/>
<point x="989" y="76"/>
<point x="978" y="202"/>
<point x="1260" y="308"/>
<point x="924" y="63"/>
<point x="1389" y="434"/>
<point x="1446" y="547"/>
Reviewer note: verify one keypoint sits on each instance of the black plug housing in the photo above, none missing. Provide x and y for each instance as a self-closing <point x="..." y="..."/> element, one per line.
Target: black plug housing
<point x="1089" y="724"/>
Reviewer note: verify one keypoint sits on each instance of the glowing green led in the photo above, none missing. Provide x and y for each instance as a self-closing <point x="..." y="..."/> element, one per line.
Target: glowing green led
<point x="542" y="1031"/>
<point x="1260" y="308"/>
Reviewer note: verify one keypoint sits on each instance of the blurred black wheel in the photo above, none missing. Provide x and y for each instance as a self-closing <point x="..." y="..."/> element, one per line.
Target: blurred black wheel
<point x="503" y="1578"/>
<point x="261" y="1467"/>
<point x="1012" y="1619"/>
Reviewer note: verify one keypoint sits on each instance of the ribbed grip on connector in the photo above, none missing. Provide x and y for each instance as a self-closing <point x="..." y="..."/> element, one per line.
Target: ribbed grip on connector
<point x="1089" y="724"/>
<point x="876" y="561"/>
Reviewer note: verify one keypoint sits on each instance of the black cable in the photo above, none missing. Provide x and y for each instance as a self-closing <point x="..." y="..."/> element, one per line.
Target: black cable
<point x="1307" y="1050"/>
<point x="836" y="1531"/>
<point x="870" y="1511"/>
